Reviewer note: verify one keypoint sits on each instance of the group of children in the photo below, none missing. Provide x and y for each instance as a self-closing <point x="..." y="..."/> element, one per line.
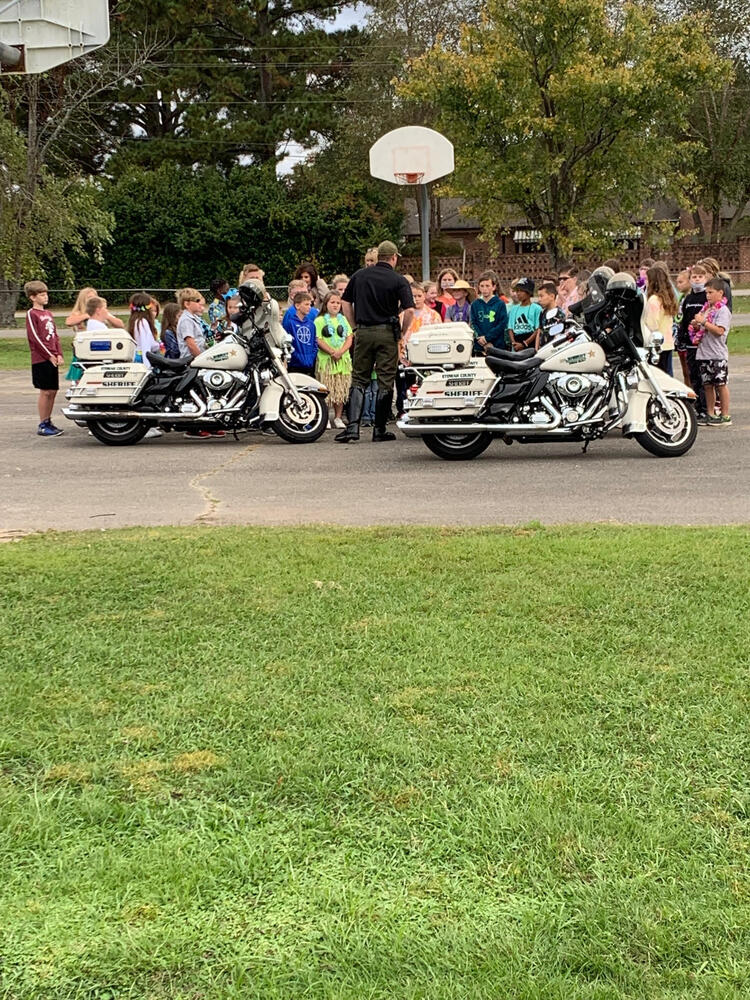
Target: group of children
<point x="693" y="315"/>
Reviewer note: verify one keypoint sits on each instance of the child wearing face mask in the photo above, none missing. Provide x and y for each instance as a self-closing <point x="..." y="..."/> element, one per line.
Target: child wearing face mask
<point x="691" y="306"/>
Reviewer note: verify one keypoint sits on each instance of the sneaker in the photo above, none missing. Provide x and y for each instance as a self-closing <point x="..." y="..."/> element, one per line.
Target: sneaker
<point x="48" y="430"/>
<point x="725" y="421"/>
<point x="153" y="432"/>
<point x="702" y="418"/>
<point x="218" y="434"/>
<point x="197" y="435"/>
<point x="339" y="424"/>
<point x="713" y="421"/>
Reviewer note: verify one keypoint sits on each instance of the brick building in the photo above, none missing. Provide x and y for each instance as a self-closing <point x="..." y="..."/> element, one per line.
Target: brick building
<point x="520" y="248"/>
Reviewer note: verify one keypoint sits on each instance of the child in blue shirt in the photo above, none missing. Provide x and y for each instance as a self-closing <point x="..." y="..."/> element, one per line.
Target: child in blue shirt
<point x="299" y="322"/>
<point x="488" y="315"/>
<point x="524" y="318"/>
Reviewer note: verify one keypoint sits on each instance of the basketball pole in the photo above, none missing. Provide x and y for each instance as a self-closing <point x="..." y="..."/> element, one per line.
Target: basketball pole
<point x="425" y="232"/>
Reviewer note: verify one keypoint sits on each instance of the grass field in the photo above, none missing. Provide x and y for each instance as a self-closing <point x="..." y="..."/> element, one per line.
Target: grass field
<point x="14" y="352"/>
<point x="260" y="763"/>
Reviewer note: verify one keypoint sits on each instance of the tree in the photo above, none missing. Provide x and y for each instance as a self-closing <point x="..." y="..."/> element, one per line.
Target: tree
<point x="41" y="217"/>
<point x="565" y="111"/>
<point x="179" y="225"/>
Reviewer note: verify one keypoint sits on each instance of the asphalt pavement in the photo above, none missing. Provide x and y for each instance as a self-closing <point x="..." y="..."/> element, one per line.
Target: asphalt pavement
<point x="74" y="482"/>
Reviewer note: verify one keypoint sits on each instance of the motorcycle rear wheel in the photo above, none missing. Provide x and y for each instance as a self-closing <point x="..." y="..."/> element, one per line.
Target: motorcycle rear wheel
<point x="458" y="447"/>
<point x="302" y="426"/>
<point x="665" y="436"/>
<point x="118" y="432"/>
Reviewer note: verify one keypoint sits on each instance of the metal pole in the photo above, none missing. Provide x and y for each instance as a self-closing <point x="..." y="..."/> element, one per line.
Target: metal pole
<point x="425" y="232"/>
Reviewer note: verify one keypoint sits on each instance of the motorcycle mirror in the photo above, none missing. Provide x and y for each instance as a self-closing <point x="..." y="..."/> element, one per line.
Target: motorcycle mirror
<point x="557" y="329"/>
<point x="551" y="313"/>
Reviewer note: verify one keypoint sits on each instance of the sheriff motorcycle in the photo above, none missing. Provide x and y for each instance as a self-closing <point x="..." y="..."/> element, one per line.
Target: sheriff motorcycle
<point x="597" y="374"/>
<point x="238" y="384"/>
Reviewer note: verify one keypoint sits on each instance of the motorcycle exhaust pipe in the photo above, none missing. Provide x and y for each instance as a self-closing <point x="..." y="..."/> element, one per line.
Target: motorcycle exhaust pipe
<point x="157" y="415"/>
<point x="417" y="430"/>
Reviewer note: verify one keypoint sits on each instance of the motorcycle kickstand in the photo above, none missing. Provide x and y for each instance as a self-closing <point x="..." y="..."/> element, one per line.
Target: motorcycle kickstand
<point x="586" y="444"/>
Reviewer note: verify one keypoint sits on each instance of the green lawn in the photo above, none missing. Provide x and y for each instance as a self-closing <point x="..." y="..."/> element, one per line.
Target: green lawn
<point x="434" y="764"/>
<point x="741" y="303"/>
<point x="14" y="352"/>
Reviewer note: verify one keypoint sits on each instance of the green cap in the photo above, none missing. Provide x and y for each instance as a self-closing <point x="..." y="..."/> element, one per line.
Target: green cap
<point x="387" y="249"/>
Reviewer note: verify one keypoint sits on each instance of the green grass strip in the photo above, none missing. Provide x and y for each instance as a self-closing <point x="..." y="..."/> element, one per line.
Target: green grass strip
<point x="352" y="763"/>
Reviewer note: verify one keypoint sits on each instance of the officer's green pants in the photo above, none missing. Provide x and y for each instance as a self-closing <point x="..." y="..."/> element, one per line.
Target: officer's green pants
<point x="375" y="348"/>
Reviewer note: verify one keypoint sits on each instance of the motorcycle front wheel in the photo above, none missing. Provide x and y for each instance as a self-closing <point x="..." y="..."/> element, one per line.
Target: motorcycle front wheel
<point x="457" y="447"/>
<point x="118" y="432"/>
<point x="302" y="424"/>
<point x="668" y="436"/>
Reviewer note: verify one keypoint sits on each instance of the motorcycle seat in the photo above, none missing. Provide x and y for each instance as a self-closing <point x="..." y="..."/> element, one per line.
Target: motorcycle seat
<point x="500" y="366"/>
<point x="497" y="352"/>
<point x="159" y="361"/>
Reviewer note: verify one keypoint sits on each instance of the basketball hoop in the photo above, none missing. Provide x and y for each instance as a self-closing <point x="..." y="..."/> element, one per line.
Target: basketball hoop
<point x="409" y="178"/>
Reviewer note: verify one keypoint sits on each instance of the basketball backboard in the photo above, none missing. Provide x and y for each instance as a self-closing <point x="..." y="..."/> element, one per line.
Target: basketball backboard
<point x="411" y="155"/>
<point x="47" y="33"/>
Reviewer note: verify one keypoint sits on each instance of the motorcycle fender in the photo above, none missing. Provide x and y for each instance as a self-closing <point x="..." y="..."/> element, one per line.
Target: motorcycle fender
<point x="271" y="396"/>
<point x="634" y="421"/>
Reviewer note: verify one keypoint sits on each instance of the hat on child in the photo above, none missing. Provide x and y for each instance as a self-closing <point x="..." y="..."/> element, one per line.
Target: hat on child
<point x="525" y="284"/>
<point x="460" y="284"/>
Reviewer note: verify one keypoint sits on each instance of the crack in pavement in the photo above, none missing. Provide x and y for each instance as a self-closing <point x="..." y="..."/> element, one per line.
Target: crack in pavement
<point x="212" y="502"/>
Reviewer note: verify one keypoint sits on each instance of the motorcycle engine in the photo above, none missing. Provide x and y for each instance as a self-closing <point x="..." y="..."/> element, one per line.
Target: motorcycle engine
<point x="575" y="393"/>
<point x="218" y="384"/>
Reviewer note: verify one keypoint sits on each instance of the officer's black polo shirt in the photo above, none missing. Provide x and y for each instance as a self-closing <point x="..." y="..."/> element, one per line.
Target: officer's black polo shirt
<point x="378" y="293"/>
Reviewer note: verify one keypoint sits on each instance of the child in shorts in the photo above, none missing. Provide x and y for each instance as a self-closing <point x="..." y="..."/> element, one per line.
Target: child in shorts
<point x="712" y="354"/>
<point x="46" y="355"/>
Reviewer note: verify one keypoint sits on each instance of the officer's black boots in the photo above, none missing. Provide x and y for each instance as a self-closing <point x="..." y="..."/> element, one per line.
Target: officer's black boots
<point x="355" y="407"/>
<point x="382" y="412"/>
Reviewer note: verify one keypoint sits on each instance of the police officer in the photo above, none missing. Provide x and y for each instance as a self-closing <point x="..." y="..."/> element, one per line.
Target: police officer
<point x="372" y="302"/>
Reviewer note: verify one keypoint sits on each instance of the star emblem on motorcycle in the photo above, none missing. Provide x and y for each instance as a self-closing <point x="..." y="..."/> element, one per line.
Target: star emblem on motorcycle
<point x="233" y="353"/>
<point x="591" y="353"/>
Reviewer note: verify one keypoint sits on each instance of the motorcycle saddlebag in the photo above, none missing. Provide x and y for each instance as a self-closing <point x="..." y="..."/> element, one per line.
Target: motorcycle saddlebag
<point x="109" y="385"/>
<point x="441" y="344"/>
<point x="104" y="345"/>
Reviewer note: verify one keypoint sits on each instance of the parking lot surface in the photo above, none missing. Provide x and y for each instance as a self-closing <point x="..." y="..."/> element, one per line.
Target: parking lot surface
<point x="74" y="482"/>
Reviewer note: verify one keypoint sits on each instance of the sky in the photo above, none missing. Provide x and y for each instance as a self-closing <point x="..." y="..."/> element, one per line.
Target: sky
<point x="345" y="19"/>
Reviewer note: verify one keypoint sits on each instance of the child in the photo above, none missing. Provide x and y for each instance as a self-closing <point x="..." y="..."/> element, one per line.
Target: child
<point x="682" y="284"/>
<point x="217" y="311"/>
<point x="459" y="312"/>
<point x="169" y="319"/>
<point x="339" y="283"/>
<point x="432" y="300"/>
<point x="371" y="257"/>
<point x="692" y="305"/>
<point x="710" y="328"/>
<point x="96" y="310"/>
<point x="488" y="315"/>
<point x="295" y="285"/>
<point x="645" y="264"/>
<point x="552" y="315"/>
<point x="300" y="323"/>
<point x="661" y="309"/>
<point x="46" y="355"/>
<point x="424" y="314"/>
<point x="78" y="320"/>
<point x="446" y="279"/>
<point x="334" y="363"/>
<point x="524" y="318"/>
<point x="155" y="308"/>
<point x="191" y="338"/>
<point x="141" y="327"/>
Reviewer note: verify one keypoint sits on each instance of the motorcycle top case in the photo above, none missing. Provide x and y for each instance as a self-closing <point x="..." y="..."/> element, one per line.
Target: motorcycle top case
<point x="441" y="344"/>
<point x="104" y="345"/>
<point x="109" y="385"/>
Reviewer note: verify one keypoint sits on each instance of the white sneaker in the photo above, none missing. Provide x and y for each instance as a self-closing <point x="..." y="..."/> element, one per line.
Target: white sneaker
<point x="339" y="423"/>
<point x="154" y="432"/>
